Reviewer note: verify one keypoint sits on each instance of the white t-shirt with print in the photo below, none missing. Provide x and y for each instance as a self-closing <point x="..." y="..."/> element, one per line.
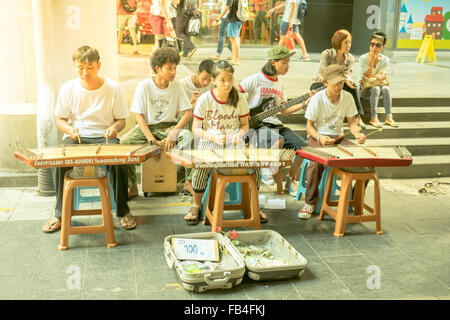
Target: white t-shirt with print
<point x="219" y="117"/>
<point x="91" y="111"/>
<point x="259" y="86"/>
<point x="288" y="9"/>
<point x="159" y="105"/>
<point x="329" y="118"/>
<point x="189" y="87"/>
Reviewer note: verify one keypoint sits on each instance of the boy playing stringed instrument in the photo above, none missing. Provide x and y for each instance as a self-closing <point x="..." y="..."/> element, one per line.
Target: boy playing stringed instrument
<point x="325" y="117"/>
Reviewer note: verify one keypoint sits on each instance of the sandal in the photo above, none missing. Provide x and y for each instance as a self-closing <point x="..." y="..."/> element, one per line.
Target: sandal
<point x="52" y="225"/>
<point x="128" y="221"/>
<point x="194" y="213"/>
<point x="262" y="217"/>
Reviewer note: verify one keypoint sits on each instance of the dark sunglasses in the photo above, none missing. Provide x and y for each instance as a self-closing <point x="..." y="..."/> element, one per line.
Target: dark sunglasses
<point x="373" y="44"/>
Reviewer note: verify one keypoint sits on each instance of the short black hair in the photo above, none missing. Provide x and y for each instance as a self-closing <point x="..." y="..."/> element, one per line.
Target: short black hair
<point x="379" y="35"/>
<point x="206" y="65"/>
<point x="86" y="54"/>
<point x="164" y="55"/>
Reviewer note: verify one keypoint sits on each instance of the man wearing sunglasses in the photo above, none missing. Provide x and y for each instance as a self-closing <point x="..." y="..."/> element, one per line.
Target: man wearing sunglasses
<point x="373" y="65"/>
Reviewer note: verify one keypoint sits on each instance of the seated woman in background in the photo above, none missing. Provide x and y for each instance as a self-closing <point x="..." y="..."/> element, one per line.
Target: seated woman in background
<point x="340" y="54"/>
<point x="373" y="66"/>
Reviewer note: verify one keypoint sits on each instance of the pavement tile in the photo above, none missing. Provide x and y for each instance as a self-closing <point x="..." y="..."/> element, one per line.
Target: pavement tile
<point x="50" y="286"/>
<point x="271" y="290"/>
<point x="109" y="280"/>
<point x="420" y="284"/>
<point x="14" y="287"/>
<point x="348" y="266"/>
<point x="365" y="289"/>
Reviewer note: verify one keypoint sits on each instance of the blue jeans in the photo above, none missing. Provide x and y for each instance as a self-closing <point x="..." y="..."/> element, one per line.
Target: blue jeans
<point x="221" y="35"/>
<point x="374" y="94"/>
<point x="285" y="26"/>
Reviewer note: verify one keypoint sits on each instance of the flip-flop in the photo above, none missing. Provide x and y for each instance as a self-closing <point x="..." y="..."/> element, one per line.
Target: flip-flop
<point x="195" y="216"/>
<point x="52" y="225"/>
<point x="186" y="193"/>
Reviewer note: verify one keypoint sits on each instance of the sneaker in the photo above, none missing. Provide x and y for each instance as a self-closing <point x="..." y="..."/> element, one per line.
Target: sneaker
<point x="306" y="211"/>
<point x="291" y="186"/>
<point x="303" y="59"/>
<point x="267" y="180"/>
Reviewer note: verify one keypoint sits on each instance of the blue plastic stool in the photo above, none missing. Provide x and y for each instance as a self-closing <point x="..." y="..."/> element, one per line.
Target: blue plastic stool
<point x="78" y="198"/>
<point x="322" y="185"/>
<point x="234" y="191"/>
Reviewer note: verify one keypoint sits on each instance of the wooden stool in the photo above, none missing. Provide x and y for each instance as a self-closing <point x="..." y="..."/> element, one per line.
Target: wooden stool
<point x="67" y="210"/>
<point x="361" y="176"/>
<point x="216" y="198"/>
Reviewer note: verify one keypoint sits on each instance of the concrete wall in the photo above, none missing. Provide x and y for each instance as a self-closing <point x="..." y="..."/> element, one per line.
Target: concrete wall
<point x="67" y="25"/>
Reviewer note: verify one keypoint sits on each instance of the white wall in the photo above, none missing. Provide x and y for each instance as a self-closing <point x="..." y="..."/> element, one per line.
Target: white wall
<point x="69" y="24"/>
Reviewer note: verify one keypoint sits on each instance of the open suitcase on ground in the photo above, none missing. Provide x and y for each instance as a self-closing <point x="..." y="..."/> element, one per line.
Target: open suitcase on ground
<point x="293" y="265"/>
<point x="228" y="274"/>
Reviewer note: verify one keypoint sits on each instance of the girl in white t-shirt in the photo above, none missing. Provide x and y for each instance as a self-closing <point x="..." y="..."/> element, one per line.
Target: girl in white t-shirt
<point x="221" y="122"/>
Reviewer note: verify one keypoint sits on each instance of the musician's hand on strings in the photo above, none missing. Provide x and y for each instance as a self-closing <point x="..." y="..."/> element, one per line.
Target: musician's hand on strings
<point x="360" y="137"/>
<point x="235" y="139"/>
<point x="111" y="132"/>
<point x="220" y="139"/>
<point x="326" y="140"/>
<point x="74" y="134"/>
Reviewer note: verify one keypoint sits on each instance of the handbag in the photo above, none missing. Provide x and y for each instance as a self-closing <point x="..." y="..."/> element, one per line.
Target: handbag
<point x="194" y="26"/>
<point x="367" y="83"/>
<point x="289" y="40"/>
<point x="170" y="42"/>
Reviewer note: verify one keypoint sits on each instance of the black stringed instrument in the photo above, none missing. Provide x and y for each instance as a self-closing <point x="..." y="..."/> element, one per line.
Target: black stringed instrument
<point x="262" y="111"/>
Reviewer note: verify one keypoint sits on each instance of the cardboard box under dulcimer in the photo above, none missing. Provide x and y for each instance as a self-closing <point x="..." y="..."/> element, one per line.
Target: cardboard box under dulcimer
<point x="158" y="174"/>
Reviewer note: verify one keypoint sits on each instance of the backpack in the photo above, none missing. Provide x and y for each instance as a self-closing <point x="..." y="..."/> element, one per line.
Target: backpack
<point x="189" y="7"/>
<point x="301" y="10"/>
<point x="127" y="7"/>
<point x="242" y="12"/>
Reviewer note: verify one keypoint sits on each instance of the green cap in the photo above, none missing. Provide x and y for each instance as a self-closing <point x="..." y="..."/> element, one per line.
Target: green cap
<point x="280" y="52"/>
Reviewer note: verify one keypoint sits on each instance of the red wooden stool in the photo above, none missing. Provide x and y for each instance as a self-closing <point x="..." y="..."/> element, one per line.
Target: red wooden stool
<point x="67" y="209"/>
<point x="361" y="176"/>
<point x="216" y="198"/>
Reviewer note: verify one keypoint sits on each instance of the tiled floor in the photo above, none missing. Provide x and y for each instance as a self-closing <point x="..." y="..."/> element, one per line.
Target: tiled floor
<point x="411" y="257"/>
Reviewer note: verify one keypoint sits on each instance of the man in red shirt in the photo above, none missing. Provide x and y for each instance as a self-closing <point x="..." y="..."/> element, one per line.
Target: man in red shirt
<point x="127" y="17"/>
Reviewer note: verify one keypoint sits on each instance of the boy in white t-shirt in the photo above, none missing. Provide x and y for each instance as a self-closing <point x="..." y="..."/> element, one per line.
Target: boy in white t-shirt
<point x="157" y="103"/>
<point x="325" y="116"/>
<point x="195" y="85"/>
<point x="89" y="110"/>
<point x="199" y="83"/>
